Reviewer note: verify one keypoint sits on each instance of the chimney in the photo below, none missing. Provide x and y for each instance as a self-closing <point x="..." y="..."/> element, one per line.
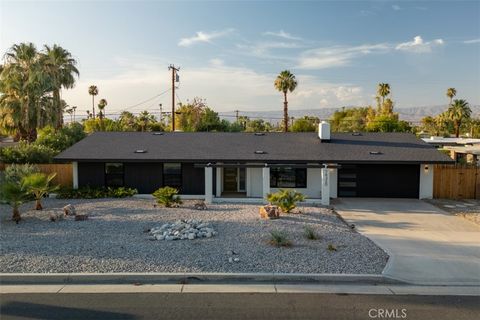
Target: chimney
<point x="324" y="131"/>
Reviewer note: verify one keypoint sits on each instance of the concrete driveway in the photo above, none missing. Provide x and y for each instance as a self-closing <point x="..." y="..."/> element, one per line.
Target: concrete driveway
<point x="426" y="245"/>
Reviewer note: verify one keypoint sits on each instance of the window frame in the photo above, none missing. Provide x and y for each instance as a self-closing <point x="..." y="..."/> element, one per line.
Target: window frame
<point x="274" y="172"/>
<point x="179" y="187"/>
<point x="116" y="175"/>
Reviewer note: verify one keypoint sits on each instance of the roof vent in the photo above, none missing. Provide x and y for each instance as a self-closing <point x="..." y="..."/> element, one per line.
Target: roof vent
<point x="259" y="133"/>
<point x="260" y="152"/>
<point x="158" y="133"/>
<point x="324" y="131"/>
<point x="356" y="134"/>
<point x="140" y="151"/>
<point x="375" y="152"/>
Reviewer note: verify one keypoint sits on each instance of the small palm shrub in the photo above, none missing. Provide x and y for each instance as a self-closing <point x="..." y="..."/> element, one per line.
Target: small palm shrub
<point x="279" y="239"/>
<point x="310" y="234"/>
<point x="14" y="194"/>
<point x="38" y="185"/>
<point x="167" y="196"/>
<point x="285" y="199"/>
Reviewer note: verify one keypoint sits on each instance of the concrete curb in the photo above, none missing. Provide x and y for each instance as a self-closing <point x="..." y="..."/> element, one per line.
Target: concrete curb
<point x="192" y="278"/>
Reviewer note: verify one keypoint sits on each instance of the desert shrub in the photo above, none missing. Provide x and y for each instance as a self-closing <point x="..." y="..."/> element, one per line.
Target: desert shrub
<point x="27" y="153"/>
<point x="167" y="196"/>
<point x="331" y="247"/>
<point x="310" y="234"/>
<point x="16" y="172"/>
<point x="279" y="239"/>
<point x="285" y="199"/>
<point x="96" y="193"/>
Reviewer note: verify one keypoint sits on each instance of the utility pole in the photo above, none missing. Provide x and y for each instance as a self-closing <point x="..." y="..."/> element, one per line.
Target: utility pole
<point x="236" y="114"/>
<point x="174" y="78"/>
<point x="160" y="118"/>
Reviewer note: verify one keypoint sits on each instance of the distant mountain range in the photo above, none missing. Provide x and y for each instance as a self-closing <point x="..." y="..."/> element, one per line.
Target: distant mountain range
<point x="411" y="114"/>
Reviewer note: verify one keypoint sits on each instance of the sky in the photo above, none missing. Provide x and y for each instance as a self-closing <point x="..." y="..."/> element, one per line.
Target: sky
<point x="230" y="52"/>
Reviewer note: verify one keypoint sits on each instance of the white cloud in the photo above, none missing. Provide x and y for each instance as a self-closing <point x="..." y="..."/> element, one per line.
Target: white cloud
<point x="336" y="56"/>
<point x="396" y="7"/>
<point x="282" y="34"/>
<point x="201" y="36"/>
<point x="418" y="45"/>
<point x="472" y="41"/>
<point x="339" y="56"/>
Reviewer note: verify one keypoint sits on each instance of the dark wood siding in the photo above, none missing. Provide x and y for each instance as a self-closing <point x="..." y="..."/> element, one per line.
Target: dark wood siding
<point x="193" y="179"/>
<point x="374" y="180"/>
<point x="145" y="177"/>
<point x="91" y="174"/>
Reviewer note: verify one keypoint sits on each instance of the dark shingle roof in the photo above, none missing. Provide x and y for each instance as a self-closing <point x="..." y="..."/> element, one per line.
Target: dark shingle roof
<point x="277" y="147"/>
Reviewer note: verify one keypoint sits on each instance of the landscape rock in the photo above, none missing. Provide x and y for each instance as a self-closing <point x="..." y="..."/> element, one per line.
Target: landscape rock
<point x="81" y="217"/>
<point x="183" y="230"/>
<point x="200" y="205"/>
<point x="69" y="210"/>
<point x="269" y="212"/>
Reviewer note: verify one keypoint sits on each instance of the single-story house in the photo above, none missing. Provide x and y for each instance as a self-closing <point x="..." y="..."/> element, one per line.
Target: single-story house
<point x="221" y="166"/>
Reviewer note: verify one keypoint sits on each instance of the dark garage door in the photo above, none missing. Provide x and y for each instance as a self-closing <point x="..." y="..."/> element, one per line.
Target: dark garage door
<point x="382" y="181"/>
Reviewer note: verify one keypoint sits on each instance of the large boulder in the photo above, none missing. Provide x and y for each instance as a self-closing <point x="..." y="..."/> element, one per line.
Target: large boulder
<point x="269" y="212"/>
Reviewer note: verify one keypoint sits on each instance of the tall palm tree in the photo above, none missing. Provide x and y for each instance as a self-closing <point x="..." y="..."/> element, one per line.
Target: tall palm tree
<point x="93" y="91"/>
<point x="61" y="67"/>
<point x="23" y="85"/>
<point x="458" y="112"/>
<point x="285" y="82"/>
<point x="451" y="92"/>
<point x="383" y="90"/>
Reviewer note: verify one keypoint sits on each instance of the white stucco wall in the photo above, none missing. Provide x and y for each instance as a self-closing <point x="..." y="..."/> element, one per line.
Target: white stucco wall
<point x="254" y="182"/>
<point x="426" y="181"/>
<point x="314" y="184"/>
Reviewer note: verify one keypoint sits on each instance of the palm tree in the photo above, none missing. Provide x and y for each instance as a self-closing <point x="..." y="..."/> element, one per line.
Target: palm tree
<point x="101" y="106"/>
<point x="24" y="86"/>
<point x="285" y="82"/>
<point x="458" y="112"/>
<point x="383" y="90"/>
<point x="38" y="185"/>
<point x="144" y="118"/>
<point x="14" y="194"/>
<point x="451" y="92"/>
<point x="93" y="91"/>
<point x="61" y="67"/>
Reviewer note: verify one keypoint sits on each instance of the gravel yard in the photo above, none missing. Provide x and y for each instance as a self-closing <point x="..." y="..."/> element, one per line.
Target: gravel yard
<point x="468" y="208"/>
<point x="113" y="240"/>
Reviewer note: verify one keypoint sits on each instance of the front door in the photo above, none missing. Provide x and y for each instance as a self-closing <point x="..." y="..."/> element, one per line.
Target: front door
<point x="230" y="179"/>
<point x="234" y="179"/>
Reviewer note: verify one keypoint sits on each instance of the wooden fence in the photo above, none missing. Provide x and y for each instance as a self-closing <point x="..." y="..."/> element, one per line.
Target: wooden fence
<point x="64" y="172"/>
<point x="456" y="182"/>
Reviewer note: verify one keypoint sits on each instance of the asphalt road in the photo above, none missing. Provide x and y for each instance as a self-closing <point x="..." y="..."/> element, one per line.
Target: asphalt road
<point x="232" y="306"/>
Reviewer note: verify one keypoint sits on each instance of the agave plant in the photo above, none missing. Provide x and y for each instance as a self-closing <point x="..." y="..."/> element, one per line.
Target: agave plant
<point x="38" y="185"/>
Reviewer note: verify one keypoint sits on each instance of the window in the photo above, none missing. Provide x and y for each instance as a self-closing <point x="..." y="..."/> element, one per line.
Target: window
<point x="288" y="178"/>
<point x="172" y="175"/>
<point x="114" y="174"/>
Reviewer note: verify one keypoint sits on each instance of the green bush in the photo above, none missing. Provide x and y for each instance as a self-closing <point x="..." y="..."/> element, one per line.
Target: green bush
<point x="95" y="193"/>
<point x="167" y="196"/>
<point x="279" y="239"/>
<point x="16" y="172"/>
<point x="27" y="153"/>
<point x="60" y="139"/>
<point x="285" y="199"/>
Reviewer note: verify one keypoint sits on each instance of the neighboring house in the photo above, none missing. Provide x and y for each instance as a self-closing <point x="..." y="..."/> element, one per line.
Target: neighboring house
<point x="219" y="166"/>
<point x="462" y="150"/>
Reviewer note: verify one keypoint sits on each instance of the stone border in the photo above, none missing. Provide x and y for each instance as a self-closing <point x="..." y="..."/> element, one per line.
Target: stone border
<point x="192" y="278"/>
